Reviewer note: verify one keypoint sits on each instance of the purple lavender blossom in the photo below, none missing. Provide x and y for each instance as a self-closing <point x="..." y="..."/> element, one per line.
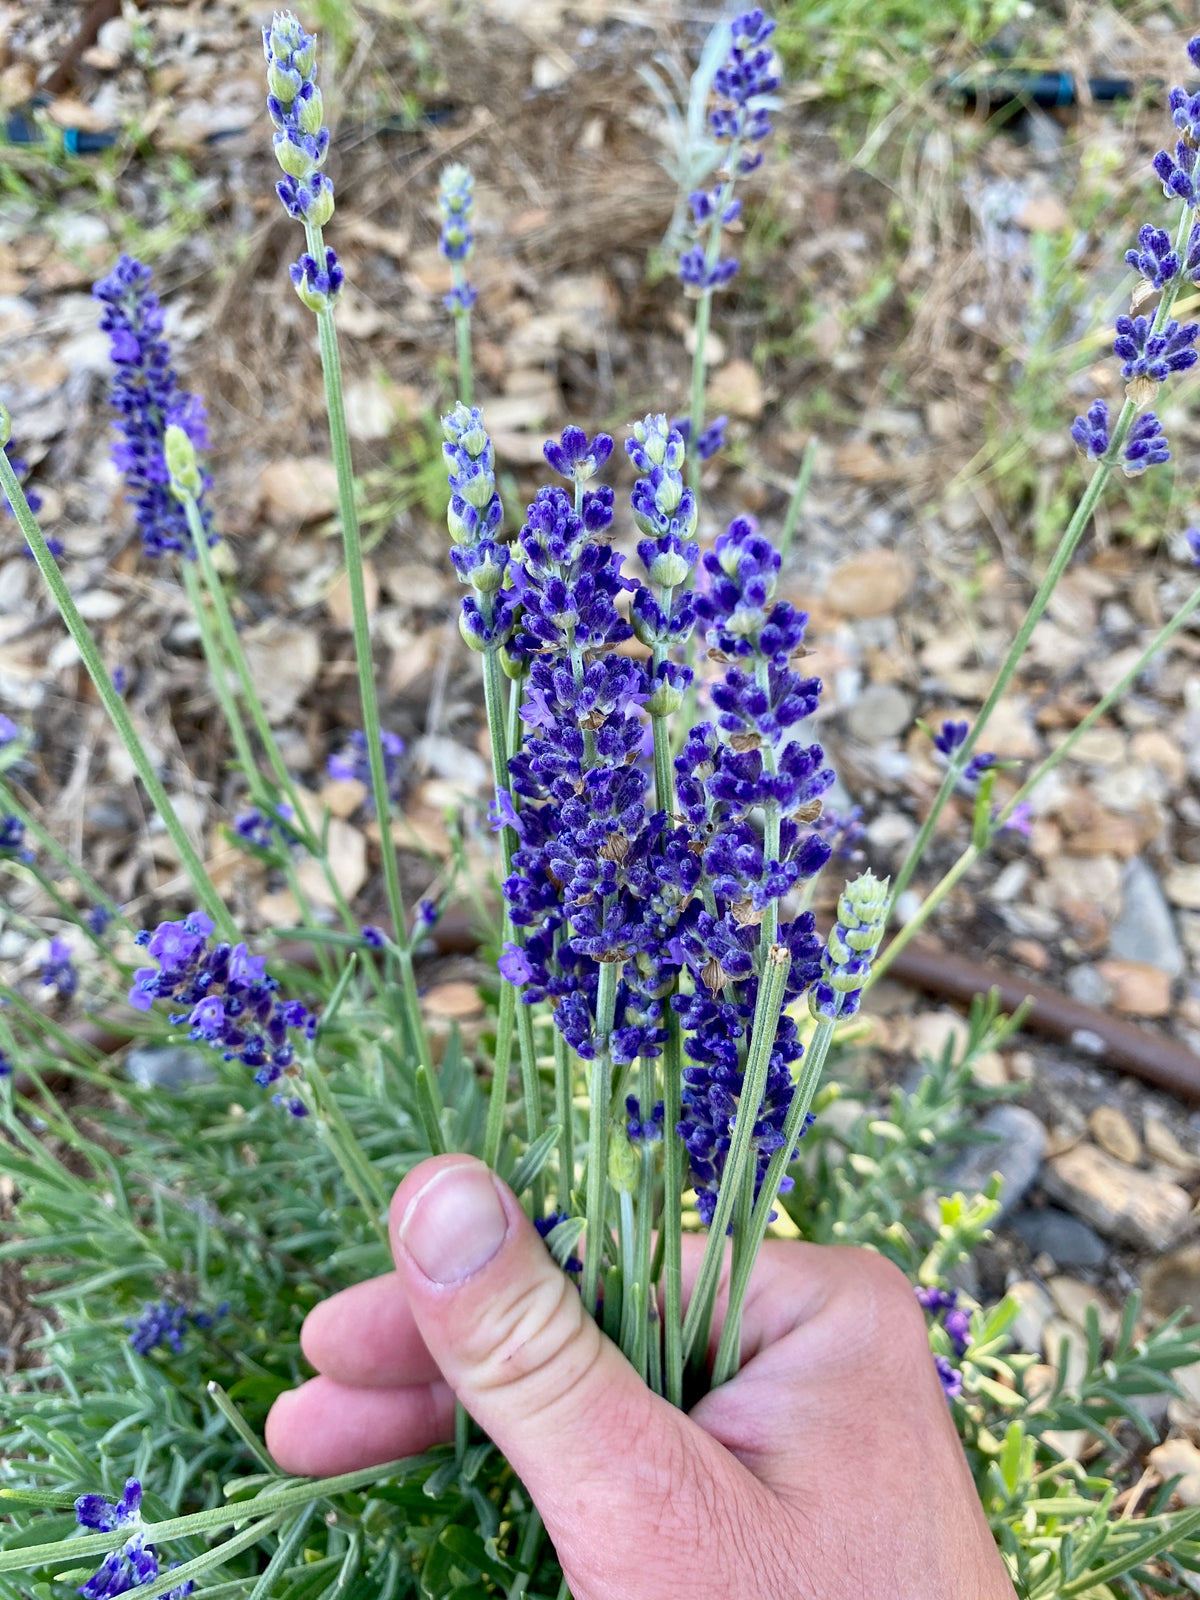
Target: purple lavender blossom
<point x="1177" y="173"/>
<point x="267" y="832"/>
<point x="374" y="938"/>
<point x="20" y="468"/>
<point x="695" y="271"/>
<point x="577" y="457"/>
<point x="843" y="831"/>
<point x="746" y="76"/>
<point x="1091" y="432"/>
<point x="136" y="1562"/>
<point x="166" y="1322"/>
<point x="12" y="840"/>
<point x="147" y="398"/>
<point x="353" y="763"/>
<point x="1146" y="446"/>
<point x="6" y="1066"/>
<point x="850" y="949"/>
<point x="645" y="1130"/>
<point x="98" y="919"/>
<point x="952" y="735"/>
<point x="712" y="436"/>
<point x="950" y="1376"/>
<point x="1020" y="819"/>
<point x="95" y="1512"/>
<point x="9" y="732"/>
<point x="227" y="999"/>
<point x="1154" y="258"/>
<point x="318" y="286"/>
<point x="295" y="107"/>
<point x="58" y="970"/>
<point x="1193" y="543"/>
<point x="1147" y="354"/>
<point x="1145" y="443"/>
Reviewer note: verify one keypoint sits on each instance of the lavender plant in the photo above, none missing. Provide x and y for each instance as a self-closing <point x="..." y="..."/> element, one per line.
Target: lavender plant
<point x="662" y="983"/>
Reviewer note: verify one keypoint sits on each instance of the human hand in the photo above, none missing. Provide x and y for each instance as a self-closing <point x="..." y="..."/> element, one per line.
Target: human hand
<point x="827" y="1469"/>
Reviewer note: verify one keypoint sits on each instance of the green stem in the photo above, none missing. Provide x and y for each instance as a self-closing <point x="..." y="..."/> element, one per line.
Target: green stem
<point x="740" y="1162"/>
<point x="972" y="853"/>
<point x="729" y="1349"/>
<point x="696" y="409"/>
<point x="189" y="857"/>
<point x="267" y="1503"/>
<point x="799" y="493"/>
<point x="671" y="1220"/>
<point x="564" y="1112"/>
<point x="355" y="1164"/>
<point x="645" y="1223"/>
<point x="498" y="1098"/>
<point x="462" y="340"/>
<point x="339" y="438"/>
<point x="599" y="1117"/>
<point x="498" y="738"/>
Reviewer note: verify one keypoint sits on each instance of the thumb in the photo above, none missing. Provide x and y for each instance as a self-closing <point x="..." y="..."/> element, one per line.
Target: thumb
<point x="601" y="1454"/>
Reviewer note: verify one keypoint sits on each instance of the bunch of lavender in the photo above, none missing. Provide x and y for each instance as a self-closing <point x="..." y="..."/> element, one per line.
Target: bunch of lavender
<point x="225" y="997"/>
<point x="166" y="1322"/>
<point x="456" y="243"/>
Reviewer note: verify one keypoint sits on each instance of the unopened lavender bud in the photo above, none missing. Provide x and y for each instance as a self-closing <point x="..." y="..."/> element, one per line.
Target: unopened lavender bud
<point x="624" y="1163"/>
<point x="850" y="948"/>
<point x="664" y="701"/>
<point x="179" y="453"/>
<point x="470" y="625"/>
<point x="464" y="428"/>
<point x="310" y="113"/>
<point x="669" y="569"/>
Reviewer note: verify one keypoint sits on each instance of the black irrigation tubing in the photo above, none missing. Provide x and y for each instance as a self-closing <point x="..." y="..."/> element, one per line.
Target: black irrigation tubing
<point x="1111" y="1041"/>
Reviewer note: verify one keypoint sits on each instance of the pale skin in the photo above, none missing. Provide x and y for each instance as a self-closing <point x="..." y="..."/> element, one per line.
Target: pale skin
<point x="827" y="1469"/>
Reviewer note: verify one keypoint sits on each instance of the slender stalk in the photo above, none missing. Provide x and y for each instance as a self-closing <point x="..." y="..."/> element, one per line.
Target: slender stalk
<point x="289" y="1496"/>
<point x="462" y="339"/>
<point x="645" y="1223"/>
<point x="189" y="857"/>
<point x="972" y="853"/>
<point x="498" y="1098"/>
<point x="799" y="493"/>
<point x="599" y="1119"/>
<point x="739" y="1164"/>
<point x="729" y="1349"/>
<point x="1066" y="549"/>
<point x="671" y="1221"/>
<point x="564" y="1112"/>
<point x="353" y="1160"/>
<point x="339" y="438"/>
<point x="712" y="251"/>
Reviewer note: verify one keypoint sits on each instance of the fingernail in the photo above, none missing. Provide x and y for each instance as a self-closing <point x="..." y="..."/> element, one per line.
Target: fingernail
<point x="455" y="1224"/>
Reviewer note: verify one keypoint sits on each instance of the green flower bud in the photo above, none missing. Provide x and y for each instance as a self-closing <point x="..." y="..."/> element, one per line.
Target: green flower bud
<point x="465" y="428"/>
<point x="471" y="639"/>
<point x="512" y="666"/>
<point x="283" y="83"/>
<point x="624" y="1164"/>
<point x="668" y="569"/>
<point x="292" y="157"/>
<point x="665" y="701"/>
<point x="180" y="455"/>
<point x="312" y="113"/>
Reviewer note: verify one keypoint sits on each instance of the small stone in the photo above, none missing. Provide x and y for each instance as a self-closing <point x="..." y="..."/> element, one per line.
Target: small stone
<point x="301" y="490"/>
<point x="1087" y="986"/>
<point x="453" y="1000"/>
<point x="1145" y="930"/>
<point x="1162" y="1145"/>
<point x="1068" y="1241"/>
<point x="169" y="1066"/>
<point x="284" y="660"/>
<point x="737" y="389"/>
<point x="338" y="599"/>
<point x="1036" y="1309"/>
<point x="1157" y="748"/>
<point x="1138" y="989"/>
<point x="1179" y="1458"/>
<point x="1016" y="1156"/>
<point x="1112" y="1132"/>
<point x="1182" y="887"/>
<point x="1122" y="1203"/>
<point x="870" y="585"/>
<point x="346" y="852"/>
<point x="883" y="711"/>
<point x="1173" y="1283"/>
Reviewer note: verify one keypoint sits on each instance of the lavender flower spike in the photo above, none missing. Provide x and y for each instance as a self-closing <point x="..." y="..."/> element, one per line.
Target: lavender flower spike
<point x="295" y="107"/>
<point x="147" y="400"/>
<point x="853" y="941"/>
